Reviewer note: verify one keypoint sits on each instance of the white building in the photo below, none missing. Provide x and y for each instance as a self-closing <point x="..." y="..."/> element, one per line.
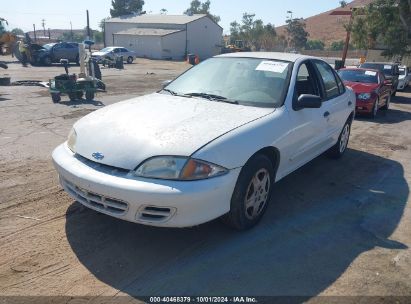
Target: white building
<point x="165" y="36"/>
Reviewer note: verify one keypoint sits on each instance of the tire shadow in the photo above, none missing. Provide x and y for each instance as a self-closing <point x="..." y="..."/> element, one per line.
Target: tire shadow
<point x="321" y="218"/>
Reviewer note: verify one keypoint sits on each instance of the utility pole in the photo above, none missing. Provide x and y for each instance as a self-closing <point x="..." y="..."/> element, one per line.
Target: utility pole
<point x="43" y="24"/>
<point x="35" y="36"/>
<point x="71" y="31"/>
<point x="88" y="30"/>
<point x="49" y="34"/>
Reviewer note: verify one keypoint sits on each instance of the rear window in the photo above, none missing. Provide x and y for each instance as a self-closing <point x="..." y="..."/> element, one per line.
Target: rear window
<point x="384" y="68"/>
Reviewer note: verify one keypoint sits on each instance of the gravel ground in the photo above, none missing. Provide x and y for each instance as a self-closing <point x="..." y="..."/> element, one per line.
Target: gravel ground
<point x="333" y="228"/>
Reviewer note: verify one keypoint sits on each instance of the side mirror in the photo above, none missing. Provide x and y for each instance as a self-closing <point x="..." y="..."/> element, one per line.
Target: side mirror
<point x="308" y="101"/>
<point x="165" y="83"/>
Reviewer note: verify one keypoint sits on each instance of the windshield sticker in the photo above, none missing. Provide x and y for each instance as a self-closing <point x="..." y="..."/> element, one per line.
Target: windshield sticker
<point x="387" y="67"/>
<point x="370" y="73"/>
<point x="272" y="66"/>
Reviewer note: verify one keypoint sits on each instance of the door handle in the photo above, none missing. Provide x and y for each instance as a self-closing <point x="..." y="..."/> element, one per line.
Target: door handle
<point x="326" y="114"/>
<point x="350" y="103"/>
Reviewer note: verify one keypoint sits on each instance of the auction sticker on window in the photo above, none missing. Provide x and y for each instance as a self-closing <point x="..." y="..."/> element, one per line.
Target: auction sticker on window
<point x="272" y="66"/>
<point x="387" y="67"/>
<point x="370" y="73"/>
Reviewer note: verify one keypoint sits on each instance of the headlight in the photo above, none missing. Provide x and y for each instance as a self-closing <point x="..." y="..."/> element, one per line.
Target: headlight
<point x="178" y="168"/>
<point x="71" y="141"/>
<point x="364" y="96"/>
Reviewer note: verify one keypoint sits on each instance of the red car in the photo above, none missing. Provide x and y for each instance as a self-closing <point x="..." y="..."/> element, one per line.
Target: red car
<point x="373" y="91"/>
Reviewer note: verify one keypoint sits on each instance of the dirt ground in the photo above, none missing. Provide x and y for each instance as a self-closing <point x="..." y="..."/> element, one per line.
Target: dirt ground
<point x="334" y="228"/>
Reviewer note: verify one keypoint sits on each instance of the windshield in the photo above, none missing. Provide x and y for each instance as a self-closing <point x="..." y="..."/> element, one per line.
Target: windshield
<point x="246" y="81"/>
<point x="402" y="71"/>
<point x="106" y="50"/>
<point x="48" y="46"/>
<point x="363" y="76"/>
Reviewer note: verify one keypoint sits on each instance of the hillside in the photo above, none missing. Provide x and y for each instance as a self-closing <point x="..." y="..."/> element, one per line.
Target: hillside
<point x="326" y="27"/>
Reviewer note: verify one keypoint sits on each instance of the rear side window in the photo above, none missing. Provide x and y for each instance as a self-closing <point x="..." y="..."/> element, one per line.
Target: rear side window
<point x="329" y="80"/>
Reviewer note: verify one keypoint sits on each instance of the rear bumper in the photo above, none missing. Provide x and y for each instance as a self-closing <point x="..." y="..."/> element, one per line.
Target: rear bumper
<point x="150" y="202"/>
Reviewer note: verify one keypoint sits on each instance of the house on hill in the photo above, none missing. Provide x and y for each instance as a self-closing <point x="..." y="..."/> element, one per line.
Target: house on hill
<point x="165" y="36"/>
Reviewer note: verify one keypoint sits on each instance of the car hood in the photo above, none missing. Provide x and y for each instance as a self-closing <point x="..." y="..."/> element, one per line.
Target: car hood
<point x="360" y="87"/>
<point x="132" y="131"/>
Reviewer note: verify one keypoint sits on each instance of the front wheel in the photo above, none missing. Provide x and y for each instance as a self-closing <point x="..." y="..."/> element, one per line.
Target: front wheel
<point x="130" y="60"/>
<point x="387" y="103"/>
<point x="251" y="193"/>
<point x="55" y="97"/>
<point x="47" y="61"/>
<point x="340" y="147"/>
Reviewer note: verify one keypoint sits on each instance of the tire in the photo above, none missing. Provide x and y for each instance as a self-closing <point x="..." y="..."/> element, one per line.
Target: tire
<point x="55" y="97"/>
<point x="79" y="95"/>
<point x="89" y="95"/>
<point x="374" y="111"/>
<point x="251" y="194"/>
<point x="387" y="104"/>
<point x="338" y="150"/>
<point x="77" y="60"/>
<point x="130" y="60"/>
<point x="72" y="96"/>
<point x="47" y="61"/>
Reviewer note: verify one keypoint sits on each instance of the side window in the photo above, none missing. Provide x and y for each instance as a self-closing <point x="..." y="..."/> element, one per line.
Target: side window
<point x="116" y="50"/>
<point x="306" y="81"/>
<point x="330" y="83"/>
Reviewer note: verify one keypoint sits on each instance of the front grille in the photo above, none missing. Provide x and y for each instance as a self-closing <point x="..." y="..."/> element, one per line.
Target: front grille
<point x="155" y="214"/>
<point x="96" y="201"/>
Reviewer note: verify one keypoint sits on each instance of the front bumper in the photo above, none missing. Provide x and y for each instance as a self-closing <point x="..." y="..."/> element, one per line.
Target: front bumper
<point x="364" y="106"/>
<point x="151" y="202"/>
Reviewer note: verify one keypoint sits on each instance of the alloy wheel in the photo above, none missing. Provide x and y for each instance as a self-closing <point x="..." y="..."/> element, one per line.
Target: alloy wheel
<point x="345" y="135"/>
<point x="257" y="193"/>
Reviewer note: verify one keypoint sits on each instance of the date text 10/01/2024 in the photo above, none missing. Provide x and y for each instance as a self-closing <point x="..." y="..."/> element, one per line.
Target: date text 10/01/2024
<point x="202" y="300"/>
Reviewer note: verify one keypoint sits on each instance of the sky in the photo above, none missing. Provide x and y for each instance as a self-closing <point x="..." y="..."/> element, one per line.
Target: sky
<point x="59" y="13"/>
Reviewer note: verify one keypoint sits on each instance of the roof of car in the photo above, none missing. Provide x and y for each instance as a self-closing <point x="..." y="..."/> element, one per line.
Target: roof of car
<point x="268" y="55"/>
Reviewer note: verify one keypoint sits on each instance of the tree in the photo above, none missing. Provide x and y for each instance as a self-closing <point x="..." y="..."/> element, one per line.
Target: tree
<point x="339" y="46"/>
<point x="17" y="31"/>
<point x="102" y="22"/>
<point x="384" y="23"/>
<point x="198" y="7"/>
<point x="125" y="7"/>
<point x="254" y="33"/>
<point x="314" y="45"/>
<point x="343" y="3"/>
<point x="298" y="36"/>
<point x="163" y="11"/>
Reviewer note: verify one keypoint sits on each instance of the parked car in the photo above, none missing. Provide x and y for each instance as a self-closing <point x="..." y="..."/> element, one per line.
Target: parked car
<point x="54" y="52"/>
<point x="404" y="78"/>
<point x="113" y="52"/>
<point x="209" y="144"/>
<point x="390" y="71"/>
<point x="373" y="91"/>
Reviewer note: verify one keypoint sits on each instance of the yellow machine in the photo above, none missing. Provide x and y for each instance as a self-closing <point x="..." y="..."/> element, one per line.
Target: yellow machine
<point x="7" y="40"/>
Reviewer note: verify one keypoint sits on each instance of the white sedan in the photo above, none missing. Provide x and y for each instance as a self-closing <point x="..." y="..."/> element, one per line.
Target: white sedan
<point x="113" y="52"/>
<point x="210" y="144"/>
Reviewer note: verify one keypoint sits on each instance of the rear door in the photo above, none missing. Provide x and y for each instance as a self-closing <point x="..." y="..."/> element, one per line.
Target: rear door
<point x="336" y="102"/>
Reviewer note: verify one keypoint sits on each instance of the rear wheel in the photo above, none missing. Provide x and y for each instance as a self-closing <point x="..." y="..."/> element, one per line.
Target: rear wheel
<point x="251" y="194"/>
<point x="130" y="60"/>
<point x="72" y="96"/>
<point x="340" y="147"/>
<point x="79" y="95"/>
<point x="89" y="95"/>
